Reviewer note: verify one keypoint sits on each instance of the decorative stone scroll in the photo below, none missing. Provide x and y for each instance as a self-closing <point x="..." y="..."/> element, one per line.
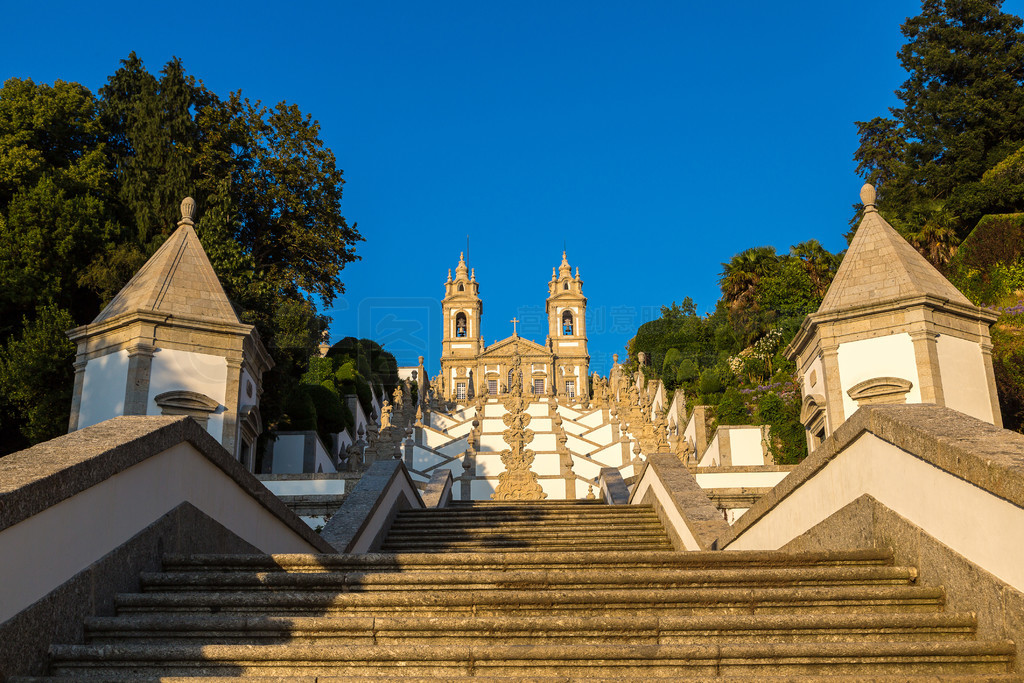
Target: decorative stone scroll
<point x="518" y="481"/>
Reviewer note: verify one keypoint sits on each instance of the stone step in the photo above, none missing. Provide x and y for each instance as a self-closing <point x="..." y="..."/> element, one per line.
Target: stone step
<point x="443" y="515"/>
<point x="539" y="545"/>
<point x="634" y="678"/>
<point x="539" y="534"/>
<point x="608" y="560"/>
<point x="446" y="660"/>
<point x="581" y="577"/>
<point x="523" y="526"/>
<point x="550" y="601"/>
<point x="628" y="628"/>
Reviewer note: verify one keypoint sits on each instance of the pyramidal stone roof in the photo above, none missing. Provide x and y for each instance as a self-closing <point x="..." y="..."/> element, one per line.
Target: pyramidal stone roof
<point x="177" y="280"/>
<point x="881" y="266"/>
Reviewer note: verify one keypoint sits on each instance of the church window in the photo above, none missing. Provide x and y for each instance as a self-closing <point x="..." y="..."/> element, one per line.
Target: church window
<point x="460" y="391"/>
<point x="460" y="325"/>
<point x="538" y="386"/>
<point x="462" y="287"/>
<point x="567" y="323"/>
<point x="510" y="375"/>
<point x="570" y="388"/>
<point x="492" y="386"/>
<point x="565" y="286"/>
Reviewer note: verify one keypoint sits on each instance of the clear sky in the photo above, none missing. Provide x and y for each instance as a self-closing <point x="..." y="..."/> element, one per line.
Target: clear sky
<point x="653" y="139"/>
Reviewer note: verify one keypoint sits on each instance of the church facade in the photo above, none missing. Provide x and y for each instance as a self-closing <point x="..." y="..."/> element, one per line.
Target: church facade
<point x="469" y="367"/>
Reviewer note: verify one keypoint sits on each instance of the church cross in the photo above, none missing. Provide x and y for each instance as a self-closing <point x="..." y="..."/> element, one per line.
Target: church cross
<point x="514" y="321"/>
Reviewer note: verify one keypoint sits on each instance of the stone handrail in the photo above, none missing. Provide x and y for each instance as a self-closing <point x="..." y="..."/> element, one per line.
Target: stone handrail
<point x="82" y="514"/>
<point x="613" y="490"/>
<point x="365" y="516"/>
<point x="958" y="479"/>
<point x="689" y="517"/>
<point x="438" y="492"/>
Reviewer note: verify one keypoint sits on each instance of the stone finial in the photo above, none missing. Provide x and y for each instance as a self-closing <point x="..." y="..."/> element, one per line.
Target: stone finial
<point x="867" y="197"/>
<point x="420" y="360"/>
<point x="449" y="275"/>
<point x="472" y="274"/>
<point x="564" y="270"/>
<point x="554" y="273"/>
<point x="188" y="211"/>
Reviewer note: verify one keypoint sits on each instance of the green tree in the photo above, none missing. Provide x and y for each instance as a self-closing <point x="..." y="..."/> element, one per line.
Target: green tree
<point x="36" y="377"/>
<point x="787" y="440"/>
<point x="732" y="410"/>
<point x="55" y="199"/>
<point x="818" y="262"/>
<point x="90" y="188"/>
<point x="741" y="275"/>
<point x="962" y="112"/>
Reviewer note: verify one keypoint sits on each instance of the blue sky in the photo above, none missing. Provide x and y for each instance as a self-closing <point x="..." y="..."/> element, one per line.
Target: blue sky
<point x="653" y="139"/>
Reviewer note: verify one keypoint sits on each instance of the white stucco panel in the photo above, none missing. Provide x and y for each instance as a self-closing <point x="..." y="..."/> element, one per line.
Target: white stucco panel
<point x="745" y="446"/>
<point x="875" y="467"/>
<point x="106" y="379"/>
<point x="175" y="370"/>
<point x="890" y="356"/>
<point x="964" y="380"/>
<point x="289" y="450"/>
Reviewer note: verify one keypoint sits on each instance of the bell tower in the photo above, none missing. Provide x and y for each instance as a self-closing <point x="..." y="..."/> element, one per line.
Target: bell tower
<point x="567" y="330"/>
<point x="461" y="309"/>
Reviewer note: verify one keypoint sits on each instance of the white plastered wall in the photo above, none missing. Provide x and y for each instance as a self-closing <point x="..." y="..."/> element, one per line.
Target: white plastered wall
<point x="712" y="456"/>
<point x="82" y="529"/>
<point x="322" y="459"/>
<point x="690" y="431"/>
<point x="288" y="453"/>
<point x="816" y="373"/>
<point x="175" y="370"/>
<point x="889" y="356"/>
<point x="964" y="380"/>
<point x="736" y="480"/>
<point x="745" y="446"/>
<point x="106" y="379"/>
<point x="980" y="526"/>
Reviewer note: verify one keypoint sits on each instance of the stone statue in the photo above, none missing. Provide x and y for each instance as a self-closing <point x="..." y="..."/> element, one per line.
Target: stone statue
<point x="385" y="415"/>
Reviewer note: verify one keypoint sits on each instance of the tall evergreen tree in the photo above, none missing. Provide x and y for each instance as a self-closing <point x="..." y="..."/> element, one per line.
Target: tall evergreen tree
<point x="962" y="113"/>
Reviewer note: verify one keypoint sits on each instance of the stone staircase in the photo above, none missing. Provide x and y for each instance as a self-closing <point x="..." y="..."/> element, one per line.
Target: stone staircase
<point x="502" y="591"/>
<point x="549" y="526"/>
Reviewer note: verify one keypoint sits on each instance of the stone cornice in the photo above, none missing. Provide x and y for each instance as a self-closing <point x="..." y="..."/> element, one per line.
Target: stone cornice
<point x="82" y="332"/>
<point x="812" y="322"/>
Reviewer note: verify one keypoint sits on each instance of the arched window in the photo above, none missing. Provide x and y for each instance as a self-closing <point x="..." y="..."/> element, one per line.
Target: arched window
<point x="460" y="325"/>
<point x="565" y="286"/>
<point x="462" y="287"/>
<point x="567" y="323"/>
